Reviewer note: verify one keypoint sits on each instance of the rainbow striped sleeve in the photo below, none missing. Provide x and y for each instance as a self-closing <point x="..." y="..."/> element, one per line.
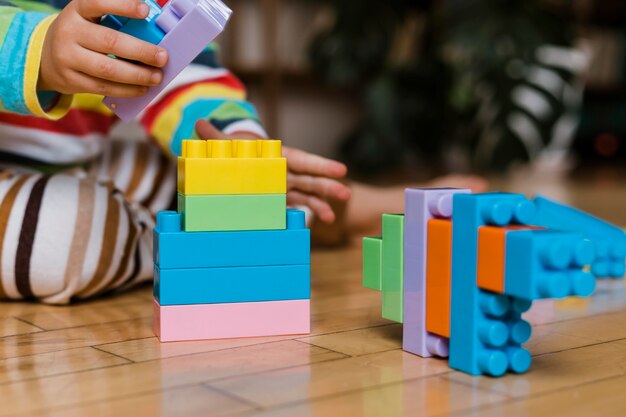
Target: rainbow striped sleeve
<point x="204" y="90"/>
<point x="22" y="33"/>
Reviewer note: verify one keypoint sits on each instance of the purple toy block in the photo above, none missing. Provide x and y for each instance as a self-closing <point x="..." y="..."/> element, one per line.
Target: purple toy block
<point x="421" y="205"/>
<point x="200" y="23"/>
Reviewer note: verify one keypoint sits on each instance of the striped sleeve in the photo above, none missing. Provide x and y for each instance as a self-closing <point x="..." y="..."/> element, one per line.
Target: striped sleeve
<point x="204" y="90"/>
<point x="22" y="35"/>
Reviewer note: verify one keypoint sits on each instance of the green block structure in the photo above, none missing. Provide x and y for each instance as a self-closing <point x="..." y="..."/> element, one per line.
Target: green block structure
<point x="372" y="262"/>
<point x="232" y="212"/>
<point x="393" y="266"/>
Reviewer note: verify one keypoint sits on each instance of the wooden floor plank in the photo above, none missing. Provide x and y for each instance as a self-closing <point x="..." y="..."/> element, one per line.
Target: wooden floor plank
<point x="54" y="363"/>
<point x="602" y="398"/>
<point x="193" y="401"/>
<point x="10" y="326"/>
<point x="85" y="314"/>
<point x="55" y="340"/>
<point x="149" y="348"/>
<point x="140" y="378"/>
<point x="361" y="342"/>
<point x="433" y="396"/>
<point x="331" y="378"/>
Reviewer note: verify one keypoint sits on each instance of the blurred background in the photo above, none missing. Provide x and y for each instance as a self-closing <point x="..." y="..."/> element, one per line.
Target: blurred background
<point x="409" y="89"/>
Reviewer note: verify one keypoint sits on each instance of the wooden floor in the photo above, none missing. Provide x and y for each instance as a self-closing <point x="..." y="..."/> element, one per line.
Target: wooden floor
<point x="100" y="359"/>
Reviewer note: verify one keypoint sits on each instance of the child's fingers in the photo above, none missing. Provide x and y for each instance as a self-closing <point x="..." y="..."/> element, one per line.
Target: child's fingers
<point x="87" y="84"/>
<point x="109" y="41"/>
<point x="320" y="207"/>
<point x="94" y="9"/>
<point x="306" y="163"/>
<point x="206" y="130"/>
<point x="117" y="70"/>
<point x="321" y="186"/>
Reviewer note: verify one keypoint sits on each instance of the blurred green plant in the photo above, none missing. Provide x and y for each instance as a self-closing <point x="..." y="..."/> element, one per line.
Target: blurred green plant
<point x="495" y="81"/>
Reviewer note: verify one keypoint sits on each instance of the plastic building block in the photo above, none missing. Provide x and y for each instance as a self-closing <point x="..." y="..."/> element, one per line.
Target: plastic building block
<point x="372" y="263"/>
<point x="548" y="264"/>
<point x="421" y="206"/>
<point x="610" y="240"/>
<point x="202" y="213"/>
<point x="491" y="258"/>
<point x="226" y="167"/>
<point x="189" y="26"/>
<point x="231" y="285"/>
<point x="393" y="275"/>
<point x="492" y="255"/>
<point x="176" y="249"/>
<point x="220" y="321"/>
<point x="468" y="280"/>
<point x="486" y="328"/>
<point x="145" y="29"/>
<point x="438" y="277"/>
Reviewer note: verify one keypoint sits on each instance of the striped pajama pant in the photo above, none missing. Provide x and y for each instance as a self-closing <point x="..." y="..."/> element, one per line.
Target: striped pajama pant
<point x="84" y="231"/>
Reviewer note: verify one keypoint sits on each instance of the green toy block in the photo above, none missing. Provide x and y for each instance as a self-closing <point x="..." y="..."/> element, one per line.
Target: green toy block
<point x="393" y="266"/>
<point x="207" y="213"/>
<point x="372" y="262"/>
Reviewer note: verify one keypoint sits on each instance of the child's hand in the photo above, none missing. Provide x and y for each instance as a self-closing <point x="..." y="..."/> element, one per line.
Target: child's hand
<point x="311" y="179"/>
<point x="74" y="57"/>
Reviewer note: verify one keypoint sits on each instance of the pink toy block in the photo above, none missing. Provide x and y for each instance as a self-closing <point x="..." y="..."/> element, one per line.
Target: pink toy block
<point x="421" y="205"/>
<point x="191" y="25"/>
<point x="231" y="320"/>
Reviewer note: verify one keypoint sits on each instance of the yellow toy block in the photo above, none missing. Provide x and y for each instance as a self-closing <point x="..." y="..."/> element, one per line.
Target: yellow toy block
<point x="232" y="167"/>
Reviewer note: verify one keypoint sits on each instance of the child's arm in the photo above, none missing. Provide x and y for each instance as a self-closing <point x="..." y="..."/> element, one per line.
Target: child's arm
<point x="45" y="57"/>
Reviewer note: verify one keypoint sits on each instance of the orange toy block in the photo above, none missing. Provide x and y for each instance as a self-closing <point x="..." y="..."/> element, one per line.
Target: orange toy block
<point x="438" y="276"/>
<point x="491" y="256"/>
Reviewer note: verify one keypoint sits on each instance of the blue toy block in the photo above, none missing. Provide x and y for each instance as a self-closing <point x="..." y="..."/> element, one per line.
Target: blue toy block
<point x="610" y="240"/>
<point x="547" y="264"/>
<point x="486" y="328"/>
<point x="174" y="249"/>
<point x="144" y="29"/>
<point x="231" y="285"/>
<point x="113" y="22"/>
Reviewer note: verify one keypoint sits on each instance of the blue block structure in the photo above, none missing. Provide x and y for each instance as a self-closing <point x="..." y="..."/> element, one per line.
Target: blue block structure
<point x="215" y="285"/>
<point x="610" y="241"/>
<point x="175" y="249"/>
<point x="557" y="252"/>
<point x="482" y="322"/>
<point x="548" y="264"/>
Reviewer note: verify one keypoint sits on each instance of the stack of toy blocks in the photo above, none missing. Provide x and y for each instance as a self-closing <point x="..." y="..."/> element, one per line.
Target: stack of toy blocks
<point x="233" y="261"/>
<point x="459" y="269"/>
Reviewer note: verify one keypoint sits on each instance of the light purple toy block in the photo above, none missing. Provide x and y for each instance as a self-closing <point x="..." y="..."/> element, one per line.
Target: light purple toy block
<point x="191" y="25"/>
<point x="421" y="205"/>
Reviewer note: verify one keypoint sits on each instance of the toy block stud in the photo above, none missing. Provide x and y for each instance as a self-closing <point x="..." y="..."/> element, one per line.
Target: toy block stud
<point x="168" y="222"/>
